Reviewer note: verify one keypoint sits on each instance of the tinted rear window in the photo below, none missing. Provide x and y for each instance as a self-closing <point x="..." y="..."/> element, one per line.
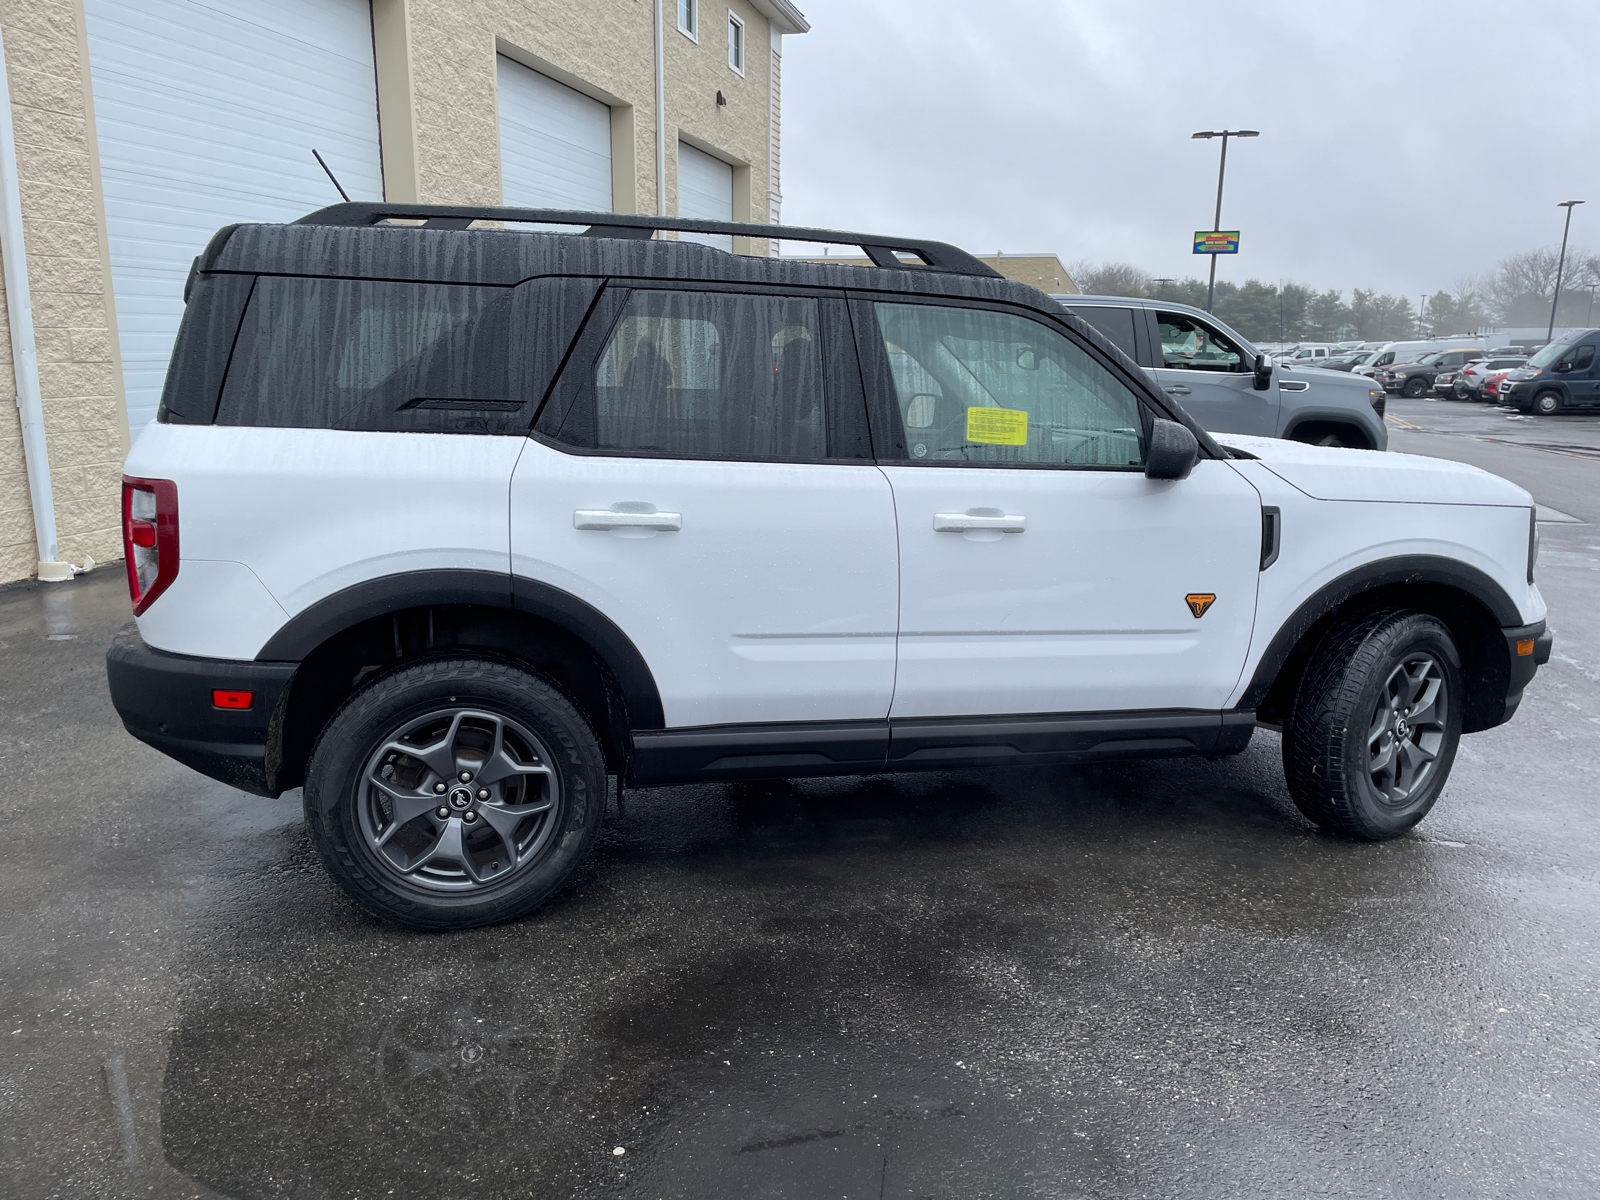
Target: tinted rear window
<point x="1114" y="324"/>
<point x="357" y="354"/>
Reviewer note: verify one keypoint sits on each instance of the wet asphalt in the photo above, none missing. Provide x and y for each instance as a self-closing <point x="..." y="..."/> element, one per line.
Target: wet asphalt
<point x="1137" y="980"/>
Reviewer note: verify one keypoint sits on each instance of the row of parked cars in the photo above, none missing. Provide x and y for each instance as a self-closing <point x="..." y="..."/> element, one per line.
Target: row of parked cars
<point x="1558" y="376"/>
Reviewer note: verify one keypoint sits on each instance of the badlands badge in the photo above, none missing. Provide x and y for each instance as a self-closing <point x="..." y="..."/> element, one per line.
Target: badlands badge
<point x="1200" y="601"/>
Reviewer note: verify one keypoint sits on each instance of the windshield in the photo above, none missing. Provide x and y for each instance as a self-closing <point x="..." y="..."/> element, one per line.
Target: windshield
<point x="1549" y="354"/>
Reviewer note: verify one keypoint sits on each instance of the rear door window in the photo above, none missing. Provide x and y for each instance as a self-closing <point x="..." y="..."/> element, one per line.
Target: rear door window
<point x="1114" y="324"/>
<point x="690" y="374"/>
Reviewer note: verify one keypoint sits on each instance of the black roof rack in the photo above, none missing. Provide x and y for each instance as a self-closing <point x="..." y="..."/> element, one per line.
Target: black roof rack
<point x="884" y="252"/>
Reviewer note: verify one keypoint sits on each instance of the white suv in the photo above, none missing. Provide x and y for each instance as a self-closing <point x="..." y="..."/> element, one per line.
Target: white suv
<point x="449" y="524"/>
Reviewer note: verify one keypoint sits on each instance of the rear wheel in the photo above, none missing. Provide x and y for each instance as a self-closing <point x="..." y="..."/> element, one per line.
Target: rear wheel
<point x="1461" y="391"/>
<point x="455" y="792"/>
<point x="1374" y="726"/>
<point x="1547" y="403"/>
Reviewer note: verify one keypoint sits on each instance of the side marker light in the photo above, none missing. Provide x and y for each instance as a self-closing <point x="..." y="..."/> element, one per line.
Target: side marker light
<point x="224" y="699"/>
<point x="1524" y="647"/>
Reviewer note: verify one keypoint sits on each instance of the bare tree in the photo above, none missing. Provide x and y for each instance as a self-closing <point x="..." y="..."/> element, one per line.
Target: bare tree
<point x="1109" y="279"/>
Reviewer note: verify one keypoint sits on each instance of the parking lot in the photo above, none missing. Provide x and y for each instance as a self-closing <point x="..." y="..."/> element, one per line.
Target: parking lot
<point x="1141" y="980"/>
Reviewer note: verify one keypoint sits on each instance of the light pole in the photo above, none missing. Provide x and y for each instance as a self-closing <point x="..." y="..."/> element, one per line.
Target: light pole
<point x="1561" y="263"/>
<point x="1222" y="169"/>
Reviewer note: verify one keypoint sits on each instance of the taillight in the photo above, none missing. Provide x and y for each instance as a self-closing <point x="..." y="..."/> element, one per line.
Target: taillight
<point x="149" y="537"/>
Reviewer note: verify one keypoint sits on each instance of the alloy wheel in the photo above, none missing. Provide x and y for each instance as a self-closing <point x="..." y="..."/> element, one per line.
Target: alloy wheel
<point x="1407" y="729"/>
<point x="457" y="800"/>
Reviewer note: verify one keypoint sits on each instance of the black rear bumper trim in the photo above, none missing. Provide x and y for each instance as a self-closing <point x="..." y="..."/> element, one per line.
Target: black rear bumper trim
<point x="164" y="700"/>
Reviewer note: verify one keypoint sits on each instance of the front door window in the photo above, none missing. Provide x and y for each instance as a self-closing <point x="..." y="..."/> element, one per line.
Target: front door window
<point x="975" y="386"/>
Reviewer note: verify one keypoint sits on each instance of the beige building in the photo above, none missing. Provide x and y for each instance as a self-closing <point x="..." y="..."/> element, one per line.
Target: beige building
<point x="1043" y="271"/>
<point x="136" y="128"/>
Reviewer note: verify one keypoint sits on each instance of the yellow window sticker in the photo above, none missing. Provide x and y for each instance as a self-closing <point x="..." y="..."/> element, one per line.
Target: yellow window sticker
<point x="998" y="426"/>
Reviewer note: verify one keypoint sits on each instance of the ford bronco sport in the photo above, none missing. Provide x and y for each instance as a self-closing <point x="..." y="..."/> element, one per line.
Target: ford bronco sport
<point x="447" y="525"/>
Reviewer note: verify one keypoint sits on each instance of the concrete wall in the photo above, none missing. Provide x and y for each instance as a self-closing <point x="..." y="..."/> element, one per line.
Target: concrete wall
<point x="69" y="276"/>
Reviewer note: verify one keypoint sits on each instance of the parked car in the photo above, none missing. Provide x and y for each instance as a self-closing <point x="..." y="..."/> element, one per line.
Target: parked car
<point x="1389" y="352"/>
<point x="1467" y="384"/>
<point x="1308" y="354"/>
<point x="1562" y="375"/>
<point x="447" y="525"/>
<point x="1228" y="386"/>
<point x="1343" y="362"/>
<point x="1489" y="392"/>
<point x="1414" y="379"/>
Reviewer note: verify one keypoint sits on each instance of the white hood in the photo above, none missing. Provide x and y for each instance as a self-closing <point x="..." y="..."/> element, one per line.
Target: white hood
<point x="1330" y="473"/>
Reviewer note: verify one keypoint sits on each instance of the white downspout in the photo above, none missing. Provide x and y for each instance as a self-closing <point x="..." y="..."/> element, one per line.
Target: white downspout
<point x="24" y="353"/>
<point x="661" y="109"/>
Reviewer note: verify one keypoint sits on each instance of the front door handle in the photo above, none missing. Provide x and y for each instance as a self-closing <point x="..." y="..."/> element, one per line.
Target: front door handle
<point x="1176" y="389"/>
<point x="990" y="519"/>
<point x="627" y="518"/>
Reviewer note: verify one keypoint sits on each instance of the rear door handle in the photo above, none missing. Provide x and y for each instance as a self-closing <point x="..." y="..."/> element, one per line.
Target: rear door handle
<point x="611" y="518"/>
<point x="962" y="522"/>
<point x="1177" y="389"/>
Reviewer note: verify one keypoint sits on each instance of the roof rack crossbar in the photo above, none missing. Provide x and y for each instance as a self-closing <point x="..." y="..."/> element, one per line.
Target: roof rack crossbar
<point x="884" y="252"/>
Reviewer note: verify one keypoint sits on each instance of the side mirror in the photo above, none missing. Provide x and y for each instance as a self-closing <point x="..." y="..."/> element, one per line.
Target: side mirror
<point x="1173" y="451"/>
<point x="1562" y="367"/>
<point x="1263" y="379"/>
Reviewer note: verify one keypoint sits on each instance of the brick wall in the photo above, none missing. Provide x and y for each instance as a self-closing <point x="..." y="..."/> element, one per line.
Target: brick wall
<point x="70" y="281"/>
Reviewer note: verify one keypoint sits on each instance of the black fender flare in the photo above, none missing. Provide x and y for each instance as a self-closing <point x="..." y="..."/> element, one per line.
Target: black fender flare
<point x="1384" y="572"/>
<point x="370" y="598"/>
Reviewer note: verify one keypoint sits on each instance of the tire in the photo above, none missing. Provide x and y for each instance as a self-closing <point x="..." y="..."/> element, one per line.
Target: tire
<point x="435" y="737"/>
<point x="1414" y="387"/>
<point x="1330" y="439"/>
<point x="1395" y="677"/>
<point x="1461" y="391"/>
<point x="1547" y="404"/>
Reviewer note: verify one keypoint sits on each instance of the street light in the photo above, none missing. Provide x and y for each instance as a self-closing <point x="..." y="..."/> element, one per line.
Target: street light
<point x="1216" y="226"/>
<point x="1561" y="263"/>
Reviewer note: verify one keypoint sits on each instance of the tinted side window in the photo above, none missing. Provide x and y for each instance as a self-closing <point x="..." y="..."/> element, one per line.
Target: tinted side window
<point x="1580" y="358"/>
<point x="705" y="375"/>
<point x="989" y="387"/>
<point x="1114" y="324"/>
<point x="357" y="354"/>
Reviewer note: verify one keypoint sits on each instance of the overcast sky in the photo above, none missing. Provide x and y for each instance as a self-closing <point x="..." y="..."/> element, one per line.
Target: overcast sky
<point x="1403" y="144"/>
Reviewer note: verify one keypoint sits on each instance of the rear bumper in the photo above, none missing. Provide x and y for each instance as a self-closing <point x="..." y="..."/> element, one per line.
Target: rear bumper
<point x="164" y="700"/>
<point x="1524" y="666"/>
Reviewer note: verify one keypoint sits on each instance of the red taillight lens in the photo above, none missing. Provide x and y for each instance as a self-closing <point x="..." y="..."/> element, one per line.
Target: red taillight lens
<point x="222" y="699"/>
<point x="149" y="537"/>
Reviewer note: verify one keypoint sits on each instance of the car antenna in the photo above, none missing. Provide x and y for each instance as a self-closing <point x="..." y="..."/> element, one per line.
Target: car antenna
<point x="331" y="175"/>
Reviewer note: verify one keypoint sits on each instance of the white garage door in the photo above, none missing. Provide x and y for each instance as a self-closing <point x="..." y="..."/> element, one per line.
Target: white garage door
<point x="705" y="189"/>
<point x="555" y="143"/>
<point x="207" y="114"/>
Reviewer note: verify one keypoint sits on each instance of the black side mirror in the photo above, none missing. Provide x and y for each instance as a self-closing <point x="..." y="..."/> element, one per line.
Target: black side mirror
<point x="1173" y="451"/>
<point x="1263" y="377"/>
<point x="1562" y="367"/>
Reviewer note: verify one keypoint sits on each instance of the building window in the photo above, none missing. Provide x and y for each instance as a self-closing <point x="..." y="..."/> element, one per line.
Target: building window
<point x="736" y="43"/>
<point x="689" y="19"/>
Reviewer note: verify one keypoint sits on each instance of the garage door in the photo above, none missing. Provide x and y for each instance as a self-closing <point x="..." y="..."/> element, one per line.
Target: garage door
<point x="555" y="143"/>
<point x="705" y="189"/>
<point x="207" y="114"/>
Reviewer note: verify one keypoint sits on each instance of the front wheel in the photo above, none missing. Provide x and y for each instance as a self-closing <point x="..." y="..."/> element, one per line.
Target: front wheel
<point x="455" y="792"/>
<point x="1547" y="403"/>
<point x="1414" y="387"/>
<point x="1374" y="726"/>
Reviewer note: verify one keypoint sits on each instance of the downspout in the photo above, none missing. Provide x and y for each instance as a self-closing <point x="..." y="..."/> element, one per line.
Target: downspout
<point x="661" y="109"/>
<point x="24" y="353"/>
